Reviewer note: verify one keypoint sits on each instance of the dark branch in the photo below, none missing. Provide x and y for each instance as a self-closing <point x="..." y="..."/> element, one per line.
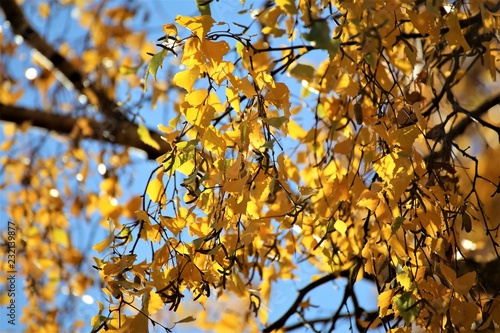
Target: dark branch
<point x="302" y="293"/>
<point x="459" y="129"/>
<point x="120" y="132"/>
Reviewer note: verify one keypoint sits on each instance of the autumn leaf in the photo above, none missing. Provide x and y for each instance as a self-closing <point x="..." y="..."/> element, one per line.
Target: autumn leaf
<point x="200" y="25"/>
<point x="156" y="190"/>
<point x="170" y="29"/>
<point x="146" y="137"/>
<point x="99" y="247"/>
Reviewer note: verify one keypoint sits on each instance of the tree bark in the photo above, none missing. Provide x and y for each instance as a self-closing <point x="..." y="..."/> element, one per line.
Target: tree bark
<point x="119" y="132"/>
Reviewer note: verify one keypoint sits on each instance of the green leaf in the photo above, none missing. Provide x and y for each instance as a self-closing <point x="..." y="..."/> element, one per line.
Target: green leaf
<point x="407" y="306"/>
<point x="204" y="7"/>
<point x="303" y="72"/>
<point x="397" y="224"/>
<point x="187" y="146"/>
<point x="276" y="122"/>
<point x="239" y="48"/>
<point x="153" y="66"/>
<point x="269" y="144"/>
<point x="198" y="243"/>
<point x="320" y="37"/>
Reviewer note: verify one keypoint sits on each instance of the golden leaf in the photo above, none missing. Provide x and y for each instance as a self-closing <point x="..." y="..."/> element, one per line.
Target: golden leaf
<point x="146" y="137"/>
<point x="155" y="303"/>
<point x="288" y="6"/>
<point x="200" y="25"/>
<point x="61" y="237"/>
<point x="169" y="29"/>
<point x="99" y="247"/>
<point x="213" y="141"/>
<point x="384" y="301"/>
<point x="186" y="79"/>
<point x="156" y="191"/>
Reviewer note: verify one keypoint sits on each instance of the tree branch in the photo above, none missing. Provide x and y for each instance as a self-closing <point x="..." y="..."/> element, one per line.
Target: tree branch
<point x="302" y="293"/>
<point x="459" y="129"/>
<point x="96" y="96"/>
<point x="119" y="132"/>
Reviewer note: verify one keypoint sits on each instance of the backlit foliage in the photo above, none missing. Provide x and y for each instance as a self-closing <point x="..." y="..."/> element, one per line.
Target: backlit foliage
<point x="356" y="137"/>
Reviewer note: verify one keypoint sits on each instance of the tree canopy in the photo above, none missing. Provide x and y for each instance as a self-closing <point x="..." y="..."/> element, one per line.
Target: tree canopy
<point x="333" y="141"/>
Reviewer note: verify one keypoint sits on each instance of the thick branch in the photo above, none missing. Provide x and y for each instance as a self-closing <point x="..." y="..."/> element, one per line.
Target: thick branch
<point x="472" y="116"/>
<point x="119" y="132"/>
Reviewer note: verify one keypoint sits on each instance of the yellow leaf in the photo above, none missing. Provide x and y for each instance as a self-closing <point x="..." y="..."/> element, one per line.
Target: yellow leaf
<point x="369" y="200"/>
<point x="344" y="147"/>
<point x="155" y="303"/>
<point x="287" y="6"/>
<point x="197" y="97"/>
<point x="454" y="35"/>
<point x="174" y="224"/>
<point x="213" y="141"/>
<point x="405" y="278"/>
<point x="464" y="283"/>
<point x="235" y="186"/>
<point x="170" y="29"/>
<point x="200" y="25"/>
<point x="279" y="95"/>
<point x="156" y="191"/>
<point x="146" y="137"/>
<point x="340" y="226"/>
<point x="243" y="85"/>
<point x="187" y="78"/>
<point x="186" y="320"/>
<point x="384" y="301"/>
<point x="305" y="304"/>
<point x="448" y="273"/>
<point x="133" y="205"/>
<point x="44" y="10"/>
<point x="214" y="51"/>
<point x="140" y="323"/>
<point x="214" y="102"/>
<point x="347" y="85"/>
<point x="233" y="98"/>
<point x="60" y="237"/>
<point x="295" y="130"/>
<point x="108" y="185"/>
<point x="99" y="247"/>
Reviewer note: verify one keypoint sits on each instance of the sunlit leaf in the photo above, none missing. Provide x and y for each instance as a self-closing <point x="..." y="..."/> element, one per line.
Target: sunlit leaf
<point x="146" y="137"/>
<point x="200" y="25"/>
<point x="99" y="247"/>
<point x="170" y="29"/>
<point x="156" y="190"/>
<point x="340" y="226"/>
